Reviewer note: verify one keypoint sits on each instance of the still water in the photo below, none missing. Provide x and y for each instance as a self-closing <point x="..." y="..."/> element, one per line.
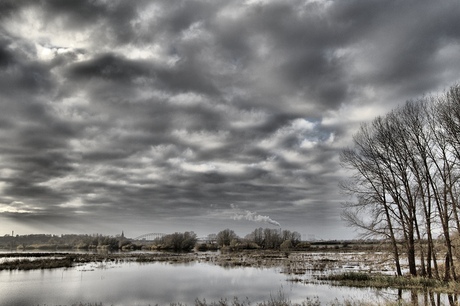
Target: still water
<point x="162" y="284"/>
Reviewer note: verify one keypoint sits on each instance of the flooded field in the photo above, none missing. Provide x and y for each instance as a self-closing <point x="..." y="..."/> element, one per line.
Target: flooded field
<point x="155" y="283"/>
<point x="162" y="278"/>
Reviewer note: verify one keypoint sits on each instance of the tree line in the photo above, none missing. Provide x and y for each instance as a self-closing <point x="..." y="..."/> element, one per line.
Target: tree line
<point x="226" y="239"/>
<point x="260" y="238"/>
<point x="405" y="183"/>
<point x="62" y="242"/>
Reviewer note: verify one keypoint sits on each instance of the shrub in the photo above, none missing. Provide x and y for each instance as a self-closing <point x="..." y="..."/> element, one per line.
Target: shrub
<point x="286" y="245"/>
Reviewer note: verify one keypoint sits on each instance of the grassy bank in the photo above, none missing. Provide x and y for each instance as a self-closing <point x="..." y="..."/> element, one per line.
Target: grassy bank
<point x="27" y="264"/>
<point x="359" y="279"/>
<point x="15" y="261"/>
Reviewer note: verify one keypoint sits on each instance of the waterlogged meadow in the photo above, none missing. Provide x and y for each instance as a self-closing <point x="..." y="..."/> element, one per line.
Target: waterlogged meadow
<point x="241" y="278"/>
<point x="156" y="283"/>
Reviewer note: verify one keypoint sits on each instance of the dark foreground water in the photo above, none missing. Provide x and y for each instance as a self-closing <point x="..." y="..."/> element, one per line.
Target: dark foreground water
<point x="161" y="283"/>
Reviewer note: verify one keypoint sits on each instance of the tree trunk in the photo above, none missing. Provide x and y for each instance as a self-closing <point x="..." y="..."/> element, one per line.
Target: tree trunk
<point x="393" y="242"/>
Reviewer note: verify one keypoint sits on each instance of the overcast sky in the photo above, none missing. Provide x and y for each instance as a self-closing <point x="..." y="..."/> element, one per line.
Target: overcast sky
<point x="163" y="116"/>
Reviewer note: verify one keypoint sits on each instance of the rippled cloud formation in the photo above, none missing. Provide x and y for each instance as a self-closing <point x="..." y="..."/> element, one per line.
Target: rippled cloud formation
<point x="151" y="116"/>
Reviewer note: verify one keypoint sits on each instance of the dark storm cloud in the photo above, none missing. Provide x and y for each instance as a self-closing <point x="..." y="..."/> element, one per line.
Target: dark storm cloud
<point x="402" y="39"/>
<point x="172" y="111"/>
<point x="6" y="56"/>
<point x="9" y="7"/>
<point x="110" y="67"/>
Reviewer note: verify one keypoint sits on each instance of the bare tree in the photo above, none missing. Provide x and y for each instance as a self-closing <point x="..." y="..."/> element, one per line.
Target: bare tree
<point x="406" y="180"/>
<point x="372" y="212"/>
<point x="225" y="237"/>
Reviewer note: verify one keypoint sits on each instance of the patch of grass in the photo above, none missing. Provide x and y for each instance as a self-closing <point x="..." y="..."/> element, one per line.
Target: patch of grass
<point x="350" y="276"/>
<point x="360" y="279"/>
<point x="26" y="264"/>
<point x="275" y="301"/>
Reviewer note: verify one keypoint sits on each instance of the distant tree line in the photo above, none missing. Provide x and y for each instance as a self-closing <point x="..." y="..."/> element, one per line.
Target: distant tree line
<point x="260" y="238"/>
<point x="226" y="239"/>
<point x="62" y="242"/>
<point x="176" y="242"/>
<point x="406" y="185"/>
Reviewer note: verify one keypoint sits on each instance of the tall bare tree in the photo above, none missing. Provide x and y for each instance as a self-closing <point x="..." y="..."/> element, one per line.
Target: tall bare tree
<point x="406" y="168"/>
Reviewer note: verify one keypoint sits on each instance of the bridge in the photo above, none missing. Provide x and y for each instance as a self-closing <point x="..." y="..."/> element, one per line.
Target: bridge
<point x="150" y="236"/>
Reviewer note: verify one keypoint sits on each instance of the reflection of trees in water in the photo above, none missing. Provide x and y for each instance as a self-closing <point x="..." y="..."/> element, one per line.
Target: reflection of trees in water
<point x="389" y="295"/>
<point x="430" y="298"/>
<point x="417" y="297"/>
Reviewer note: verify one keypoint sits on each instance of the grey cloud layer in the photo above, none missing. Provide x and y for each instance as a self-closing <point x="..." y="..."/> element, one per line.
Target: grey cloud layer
<point x="122" y="109"/>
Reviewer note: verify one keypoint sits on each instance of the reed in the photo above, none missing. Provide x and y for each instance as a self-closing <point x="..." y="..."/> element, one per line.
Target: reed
<point x="273" y="302"/>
